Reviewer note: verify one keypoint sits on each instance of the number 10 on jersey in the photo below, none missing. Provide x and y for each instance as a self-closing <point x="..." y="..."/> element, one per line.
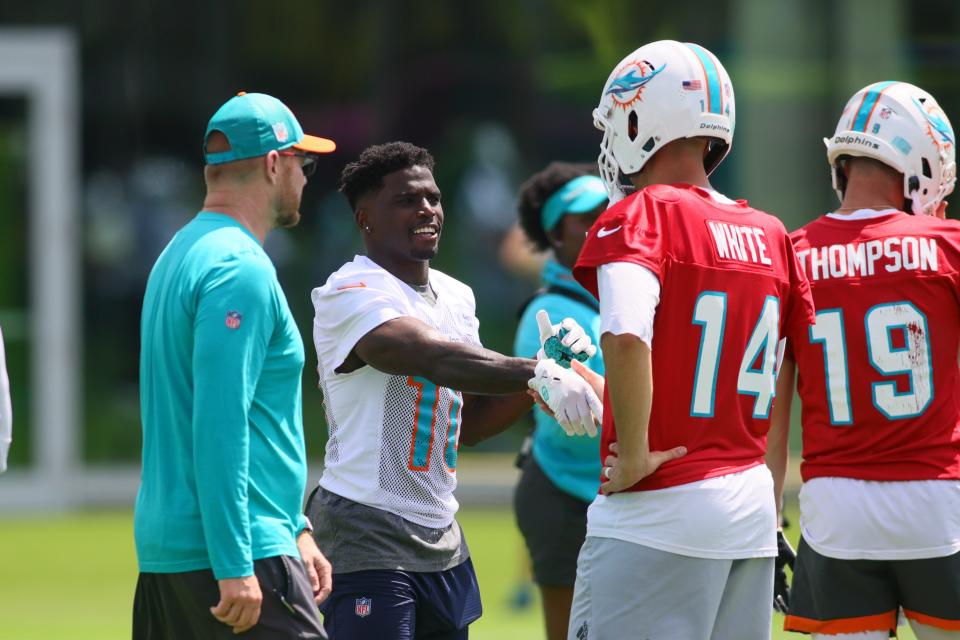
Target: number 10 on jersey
<point x="757" y="366"/>
<point x="425" y="417"/>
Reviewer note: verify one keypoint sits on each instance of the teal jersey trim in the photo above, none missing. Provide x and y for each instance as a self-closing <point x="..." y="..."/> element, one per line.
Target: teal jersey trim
<point x="224" y="466"/>
<point x="571" y="463"/>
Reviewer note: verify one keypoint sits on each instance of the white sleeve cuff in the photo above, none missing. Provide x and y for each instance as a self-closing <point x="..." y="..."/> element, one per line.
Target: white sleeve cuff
<point x="629" y="295"/>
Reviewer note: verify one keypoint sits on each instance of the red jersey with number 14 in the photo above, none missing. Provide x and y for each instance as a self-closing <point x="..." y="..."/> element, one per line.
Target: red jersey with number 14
<point x="878" y="372"/>
<point x="730" y="287"/>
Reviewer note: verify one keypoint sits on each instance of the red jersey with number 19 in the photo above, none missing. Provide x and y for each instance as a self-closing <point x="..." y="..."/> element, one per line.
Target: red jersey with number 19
<point x="730" y="287"/>
<point x="878" y="372"/>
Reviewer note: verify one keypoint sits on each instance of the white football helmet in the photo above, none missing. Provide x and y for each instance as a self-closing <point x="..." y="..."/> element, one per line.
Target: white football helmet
<point x="662" y="92"/>
<point x="901" y="126"/>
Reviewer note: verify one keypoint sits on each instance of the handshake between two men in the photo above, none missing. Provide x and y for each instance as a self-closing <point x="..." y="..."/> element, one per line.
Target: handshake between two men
<point x="569" y="394"/>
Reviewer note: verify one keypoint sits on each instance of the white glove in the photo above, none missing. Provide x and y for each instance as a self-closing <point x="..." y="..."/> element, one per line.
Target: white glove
<point x="575" y="339"/>
<point x="570" y="398"/>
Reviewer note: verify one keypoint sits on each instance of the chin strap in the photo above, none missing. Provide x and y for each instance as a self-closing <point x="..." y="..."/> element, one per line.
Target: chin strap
<point x="616" y="194"/>
<point x="916" y="204"/>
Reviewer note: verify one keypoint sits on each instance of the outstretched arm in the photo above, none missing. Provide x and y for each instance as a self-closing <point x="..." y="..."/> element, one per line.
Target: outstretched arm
<point x="407" y="346"/>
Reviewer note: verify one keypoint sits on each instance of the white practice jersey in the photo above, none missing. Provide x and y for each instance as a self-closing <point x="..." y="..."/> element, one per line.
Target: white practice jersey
<point x="393" y="438"/>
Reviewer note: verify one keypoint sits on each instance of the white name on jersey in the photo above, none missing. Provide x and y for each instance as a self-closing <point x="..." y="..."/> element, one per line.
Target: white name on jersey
<point x="863" y="259"/>
<point x="739" y="242"/>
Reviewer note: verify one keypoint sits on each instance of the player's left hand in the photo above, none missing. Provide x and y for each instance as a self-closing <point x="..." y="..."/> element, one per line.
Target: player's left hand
<point x="594" y="379"/>
<point x="318" y="567"/>
<point x="786" y="557"/>
<point x="622" y="474"/>
<point x="563" y="342"/>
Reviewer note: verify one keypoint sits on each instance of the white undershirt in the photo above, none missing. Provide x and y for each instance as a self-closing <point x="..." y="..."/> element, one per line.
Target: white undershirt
<point x="629" y="295"/>
<point x="716" y="196"/>
<point x="861" y="214"/>
<point x="727" y="517"/>
<point x="855" y="519"/>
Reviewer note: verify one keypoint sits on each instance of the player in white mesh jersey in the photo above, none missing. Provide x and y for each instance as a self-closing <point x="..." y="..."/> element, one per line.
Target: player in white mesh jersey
<point x="404" y="379"/>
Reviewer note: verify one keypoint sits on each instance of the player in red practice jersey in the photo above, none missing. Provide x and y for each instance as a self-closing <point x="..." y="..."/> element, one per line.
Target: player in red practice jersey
<point x="695" y="293"/>
<point x="878" y="380"/>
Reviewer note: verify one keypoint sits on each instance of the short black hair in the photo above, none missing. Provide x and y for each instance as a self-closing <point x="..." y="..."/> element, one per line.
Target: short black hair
<point x="366" y="173"/>
<point x="538" y="189"/>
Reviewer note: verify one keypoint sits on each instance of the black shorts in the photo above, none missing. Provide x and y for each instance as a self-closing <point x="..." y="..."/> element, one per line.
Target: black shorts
<point x="176" y="606"/>
<point x="831" y="596"/>
<point x="553" y="524"/>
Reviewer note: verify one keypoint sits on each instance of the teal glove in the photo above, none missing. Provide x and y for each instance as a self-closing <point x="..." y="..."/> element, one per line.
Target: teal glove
<point x="563" y="342"/>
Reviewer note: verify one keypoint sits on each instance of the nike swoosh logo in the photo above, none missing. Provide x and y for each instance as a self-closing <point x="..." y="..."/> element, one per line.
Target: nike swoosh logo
<point x="359" y="285"/>
<point x="603" y="233"/>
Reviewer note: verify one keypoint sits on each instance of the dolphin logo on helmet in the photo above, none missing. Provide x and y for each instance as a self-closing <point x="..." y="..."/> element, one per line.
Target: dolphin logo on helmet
<point x="939" y="124"/>
<point x="630" y="81"/>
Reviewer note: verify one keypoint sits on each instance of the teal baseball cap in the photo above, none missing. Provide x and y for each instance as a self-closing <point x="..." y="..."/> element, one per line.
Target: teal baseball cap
<point x="256" y="124"/>
<point x="580" y="195"/>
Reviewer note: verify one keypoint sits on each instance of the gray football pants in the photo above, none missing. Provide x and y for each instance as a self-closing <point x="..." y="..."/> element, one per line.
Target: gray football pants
<point x="628" y="591"/>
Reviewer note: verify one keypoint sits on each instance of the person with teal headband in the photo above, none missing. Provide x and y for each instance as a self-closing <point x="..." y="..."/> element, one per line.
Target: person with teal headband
<point x="222" y="545"/>
<point x="561" y="475"/>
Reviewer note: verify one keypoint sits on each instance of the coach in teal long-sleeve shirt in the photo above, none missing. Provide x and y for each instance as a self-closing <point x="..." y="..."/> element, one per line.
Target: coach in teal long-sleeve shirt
<point x="223" y="456"/>
<point x="222" y="544"/>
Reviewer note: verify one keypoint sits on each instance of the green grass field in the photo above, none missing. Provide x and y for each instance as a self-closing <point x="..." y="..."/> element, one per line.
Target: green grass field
<point x="73" y="577"/>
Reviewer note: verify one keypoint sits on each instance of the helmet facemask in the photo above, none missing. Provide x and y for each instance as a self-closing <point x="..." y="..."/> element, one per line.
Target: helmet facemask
<point x="606" y="162"/>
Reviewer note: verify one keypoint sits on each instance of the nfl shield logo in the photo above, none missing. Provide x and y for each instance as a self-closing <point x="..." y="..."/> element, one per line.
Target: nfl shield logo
<point x="280" y="131"/>
<point x="233" y="319"/>
<point x="363" y="607"/>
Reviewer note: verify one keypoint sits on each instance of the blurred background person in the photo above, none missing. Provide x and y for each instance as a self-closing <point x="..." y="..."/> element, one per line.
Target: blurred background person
<point x="519" y="256"/>
<point x="559" y="474"/>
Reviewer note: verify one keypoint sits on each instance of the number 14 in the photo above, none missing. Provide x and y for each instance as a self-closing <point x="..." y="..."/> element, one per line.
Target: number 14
<point x="710" y="313"/>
